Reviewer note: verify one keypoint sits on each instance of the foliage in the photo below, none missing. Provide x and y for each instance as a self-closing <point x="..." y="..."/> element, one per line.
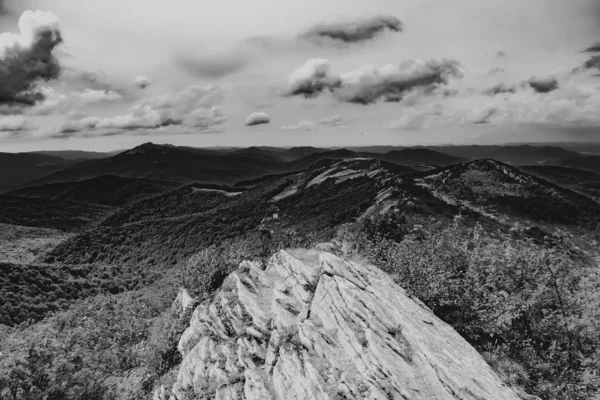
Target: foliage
<point x="21" y="244"/>
<point x="101" y="348"/>
<point x="109" y="190"/>
<point x="53" y="214"/>
<point x="30" y="292"/>
<point x="535" y="305"/>
<point x="163" y="231"/>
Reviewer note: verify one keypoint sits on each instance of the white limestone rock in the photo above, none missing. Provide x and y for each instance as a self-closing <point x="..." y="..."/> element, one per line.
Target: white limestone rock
<point x="315" y="326"/>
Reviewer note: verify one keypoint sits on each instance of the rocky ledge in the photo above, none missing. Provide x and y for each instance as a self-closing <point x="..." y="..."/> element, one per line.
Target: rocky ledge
<point x="315" y="326"/>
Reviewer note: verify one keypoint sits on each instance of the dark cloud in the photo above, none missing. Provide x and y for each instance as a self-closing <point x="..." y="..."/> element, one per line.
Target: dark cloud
<point x="213" y="67"/>
<point x="371" y="83"/>
<point x="500" y="54"/>
<point x="312" y="79"/>
<point x="391" y="82"/>
<point x="27" y="58"/>
<point x="3" y="9"/>
<point x="258" y="118"/>
<point x="499" y="89"/>
<point x="595" y="48"/>
<point x="593" y="62"/>
<point x="354" y="31"/>
<point x="543" y="84"/>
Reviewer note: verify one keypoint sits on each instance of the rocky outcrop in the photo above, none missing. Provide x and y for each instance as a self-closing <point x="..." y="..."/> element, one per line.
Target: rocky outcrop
<point x="315" y="326"/>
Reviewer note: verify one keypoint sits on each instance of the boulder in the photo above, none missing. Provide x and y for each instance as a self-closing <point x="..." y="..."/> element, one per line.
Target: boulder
<point x="315" y="326"/>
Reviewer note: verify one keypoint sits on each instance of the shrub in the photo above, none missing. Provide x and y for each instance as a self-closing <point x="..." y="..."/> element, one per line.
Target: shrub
<point x="535" y="303"/>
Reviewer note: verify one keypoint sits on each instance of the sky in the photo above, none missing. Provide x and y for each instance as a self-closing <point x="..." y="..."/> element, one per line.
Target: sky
<point x="105" y="75"/>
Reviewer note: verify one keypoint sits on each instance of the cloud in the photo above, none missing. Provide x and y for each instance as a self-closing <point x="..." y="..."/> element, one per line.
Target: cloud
<point x="194" y="108"/>
<point x="258" y="118"/>
<point x="543" y="84"/>
<point x="142" y="81"/>
<point x="595" y="48"/>
<point x="16" y="125"/>
<point x="495" y="71"/>
<point x="354" y="31"/>
<point x="370" y="83"/>
<point x="334" y="120"/>
<point x="86" y="79"/>
<point x="481" y="115"/>
<point x="500" y="89"/>
<point x="305" y="125"/>
<point x="592" y="63"/>
<point x="308" y="125"/>
<point x="415" y="119"/>
<point x="312" y="78"/>
<point x="390" y="81"/>
<point x="500" y="54"/>
<point x="26" y="58"/>
<point x="3" y="7"/>
<point x="215" y="66"/>
<point x="59" y="103"/>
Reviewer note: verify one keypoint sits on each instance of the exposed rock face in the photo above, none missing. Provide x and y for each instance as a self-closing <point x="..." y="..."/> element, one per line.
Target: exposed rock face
<point x="315" y="326"/>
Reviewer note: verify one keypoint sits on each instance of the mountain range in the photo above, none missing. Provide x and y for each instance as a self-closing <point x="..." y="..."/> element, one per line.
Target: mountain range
<point x="93" y="247"/>
<point x="230" y="165"/>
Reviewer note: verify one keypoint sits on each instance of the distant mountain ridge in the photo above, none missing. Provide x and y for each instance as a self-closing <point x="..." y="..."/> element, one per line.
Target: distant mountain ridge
<point x="231" y="165"/>
<point x="110" y="190"/>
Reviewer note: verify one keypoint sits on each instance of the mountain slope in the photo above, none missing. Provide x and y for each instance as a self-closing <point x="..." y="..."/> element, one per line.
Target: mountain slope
<point x="315" y="326"/>
<point x="170" y="163"/>
<point x="54" y="214"/>
<point x="18" y="168"/>
<point x="588" y="163"/>
<point x="415" y="156"/>
<point x="507" y="193"/>
<point x="74" y="154"/>
<point x="166" y="229"/>
<point x="515" y="155"/>
<point x="586" y="182"/>
<point x="108" y="190"/>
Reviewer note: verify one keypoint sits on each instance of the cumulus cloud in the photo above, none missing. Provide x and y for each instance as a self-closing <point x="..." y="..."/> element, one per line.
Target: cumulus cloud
<point x="370" y="83"/>
<point x="353" y="31"/>
<point x="16" y="125"/>
<point x="142" y="81"/>
<point x="500" y="89"/>
<point x="258" y="118"/>
<point x="312" y="78"/>
<point x="57" y="103"/>
<point x="194" y="108"/>
<point x="27" y="58"/>
<point x="543" y="84"/>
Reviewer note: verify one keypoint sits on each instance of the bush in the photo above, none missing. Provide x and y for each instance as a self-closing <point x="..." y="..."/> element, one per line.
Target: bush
<point x="536" y="305"/>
